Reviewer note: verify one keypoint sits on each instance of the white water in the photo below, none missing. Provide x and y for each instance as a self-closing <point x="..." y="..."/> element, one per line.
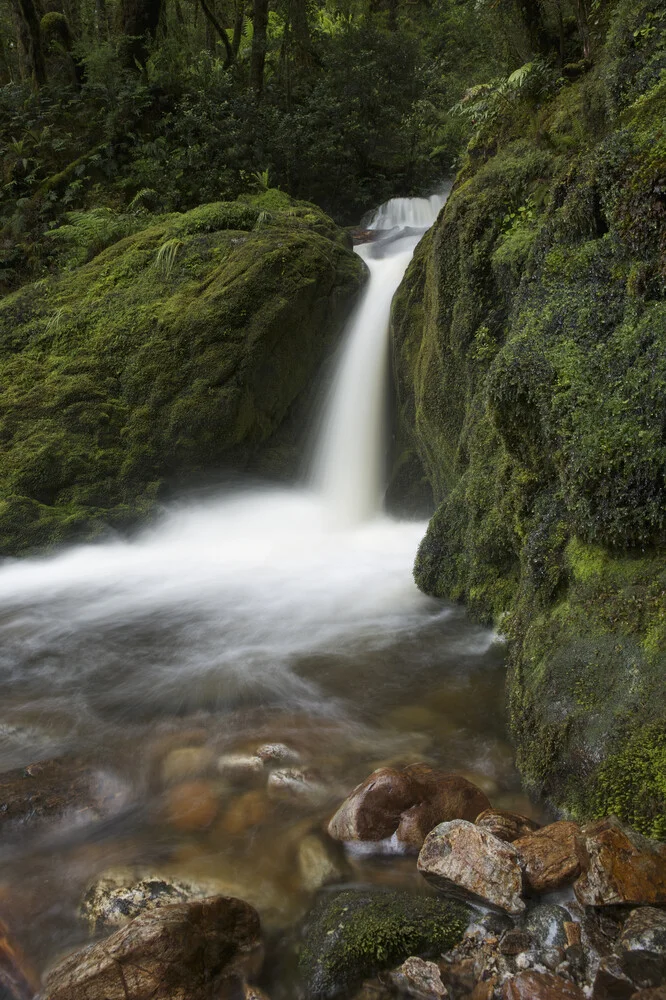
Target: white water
<point x="349" y="467"/>
<point x="227" y="600"/>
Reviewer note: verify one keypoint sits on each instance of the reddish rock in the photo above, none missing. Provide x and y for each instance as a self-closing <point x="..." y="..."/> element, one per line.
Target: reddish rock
<point x="372" y="811"/>
<point x="505" y="825"/>
<point x="467" y="861"/>
<point x="552" y="857"/>
<point x="540" y="986"/>
<point x="444" y="797"/>
<point x="182" y="952"/>
<point x="192" y="805"/>
<point x="623" y="867"/>
<point x="17" y="980"/>
<point x="611" y="982"/>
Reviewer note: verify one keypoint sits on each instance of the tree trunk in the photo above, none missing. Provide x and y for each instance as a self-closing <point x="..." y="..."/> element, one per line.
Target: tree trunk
<point x="30" y="40"/>
<point x="140" y="19"/>
<point x="583" y="18"/>
<point x="239" y="21"/>
<point x="213" y="21"/>
<point x="258" y="53"/>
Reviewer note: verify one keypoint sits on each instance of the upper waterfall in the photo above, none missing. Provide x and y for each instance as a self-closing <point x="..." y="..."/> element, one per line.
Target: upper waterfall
<point x="350" y="455"/>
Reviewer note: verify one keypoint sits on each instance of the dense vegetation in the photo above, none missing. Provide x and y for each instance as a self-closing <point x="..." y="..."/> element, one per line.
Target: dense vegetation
<point x="530" y="340"/>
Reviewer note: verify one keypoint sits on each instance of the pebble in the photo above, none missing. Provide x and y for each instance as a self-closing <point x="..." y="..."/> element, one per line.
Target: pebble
<point x="192" y="805"/>
<point x="186" y="762"/>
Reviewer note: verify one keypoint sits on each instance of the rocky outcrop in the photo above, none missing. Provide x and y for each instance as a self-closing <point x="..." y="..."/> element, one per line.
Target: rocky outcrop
<point x="180" y="952"/>
<point x="528" y="349"/>
<point x="186" y="347"/>
<point x="623" y="868"/>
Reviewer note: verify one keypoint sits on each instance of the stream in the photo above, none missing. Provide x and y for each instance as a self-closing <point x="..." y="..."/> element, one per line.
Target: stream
<point x="261" y="616"/>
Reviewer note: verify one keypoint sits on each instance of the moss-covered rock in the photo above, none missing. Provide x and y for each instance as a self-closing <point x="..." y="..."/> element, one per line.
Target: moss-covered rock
<point x="529" y="341"/>
<point x="177" y="351"/>
<point x="352" y="934"/>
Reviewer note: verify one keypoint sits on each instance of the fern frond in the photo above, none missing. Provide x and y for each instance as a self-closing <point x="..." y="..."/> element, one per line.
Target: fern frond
<point x="166" y="256"/>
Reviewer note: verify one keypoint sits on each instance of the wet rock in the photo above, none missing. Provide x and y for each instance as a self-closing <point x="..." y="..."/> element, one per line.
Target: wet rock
<point x="540" y="986"/>
<point x="373" y="810"/>
<point x="18" y="981"/>
<point x="352" y="934"/>
<point x="58" y="789"/>
<point x="293" y="785"/>
<point x="572" y="931"/>
<point x="552" y="857"/>
<point x="192" y="805"/>
<point x="515" y="941"/>
<point x="316" y="864"/>
<point x="121" y="894"/>
<point x="505" y="825"/>
<point x="186" y="762"/>
<point x="658" y="993"/>
<point x="241" y="767"/>
<point x="245" y="812"/>
<point x="180" y="952"/>
<point x="441" y="798"/>
<point x="419" y="979"/>
<point x="546" y="924"/>
<point x="610" y="982"/>
<point x="623" y="868"/>
<point x="467" y="861"/>
<point x="254" y="993"/>
<point x="277" y="753"/>
<point x="641" y="948"/>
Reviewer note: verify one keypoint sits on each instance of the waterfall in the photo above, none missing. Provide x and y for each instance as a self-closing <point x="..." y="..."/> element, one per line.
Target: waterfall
<point x="349" y="458"/>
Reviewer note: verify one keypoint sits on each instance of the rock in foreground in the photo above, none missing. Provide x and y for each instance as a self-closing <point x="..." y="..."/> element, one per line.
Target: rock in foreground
<point x="624" y="868"/>
<point x="181" y="952"/>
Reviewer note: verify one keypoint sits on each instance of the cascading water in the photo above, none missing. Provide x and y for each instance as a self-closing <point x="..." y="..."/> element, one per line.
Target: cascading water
<point x="246" y="619"/>
<point x="349" y="461"/>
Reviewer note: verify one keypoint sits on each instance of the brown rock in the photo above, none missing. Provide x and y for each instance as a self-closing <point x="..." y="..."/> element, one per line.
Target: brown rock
<point x="420" y="979"/>
<point x="484" y="990"/>
<point x="181" y="952"/>
<point x="515" y="941"/>
<point x="246" y="811"/>
<point x="192" y="805"/>
<point x="610" y="982"/>
<point x="372" y="811"/>
<point x="573" y="933"/>
<point x="657" y="993"/>
<point x="443" y="797"/>
<point x="552" y="857"/>
<point x="624" y="868"/>
<point x="186" y="762"/>
<point x="51" y="789"/>
<point x="17" y="980"/>
<point x="540" y="986"/>
<point x="469" y="862"/>
<point x="642" y="947"/>
<point x="505" y="825"/>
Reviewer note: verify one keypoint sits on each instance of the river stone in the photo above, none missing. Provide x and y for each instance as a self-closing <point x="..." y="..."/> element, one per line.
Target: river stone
<point x="657" y="993"/>
<point x="192" y="805"/>
<point x="624" y="867"/>
<point x="120" y="894"/>
<point x="467" y="861"/>
<point x="352" y="934"/>
<point x="440" y="798"/>
<point x="277" y="753"/>
<point x="244" y="812"/>
<point x="546" y="924"/>
<point x="51" y="790"/>
<point x="372" y="811"/>
<point x="186" y="762"/>
<point x="642" y="947"/>
<point x="18" y="981"/>
<point x="241" y="767"/>
<point x="611" y="982"/>
<point x="533" y="985"/>
<point x="552" y="857"/>
<point x="419" y="979"/>
<point x="316" y="864"/>
<point x="505" y="825"/>
<point x="293" y="785"/>
<point x="180" y="952"/>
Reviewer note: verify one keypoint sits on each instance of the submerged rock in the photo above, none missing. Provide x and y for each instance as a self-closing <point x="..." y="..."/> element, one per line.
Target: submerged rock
<point x="186" y="762"/>
<point x="624" y="868"/>
<point x="317" y="864"/>
<point x="180" y="952"/>
<point x="352" y="934"/>
<point x="552" y="857"/>
<point x="192" y="805"/>
<point x="469" y="862"/>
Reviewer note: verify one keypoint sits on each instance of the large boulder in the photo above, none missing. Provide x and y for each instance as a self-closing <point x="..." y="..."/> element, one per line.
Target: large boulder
<point x="352" y="934"/>
<point x="467" y="861"/>
<point x="187" y="346"/>
<point x="180" y="952"/>
<point x="623" y="869"/>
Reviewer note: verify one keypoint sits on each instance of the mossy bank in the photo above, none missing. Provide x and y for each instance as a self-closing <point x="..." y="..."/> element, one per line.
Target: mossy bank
<point x="164" y="349"/>
<point x="529" y="343"/>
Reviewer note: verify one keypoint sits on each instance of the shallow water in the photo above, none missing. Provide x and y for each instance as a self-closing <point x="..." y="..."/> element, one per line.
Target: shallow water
<point x="257" y="616"/>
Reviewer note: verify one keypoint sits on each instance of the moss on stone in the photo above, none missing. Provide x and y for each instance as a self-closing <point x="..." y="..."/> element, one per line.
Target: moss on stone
<point x="174" y="352"/>
<point x="353" y="934"/>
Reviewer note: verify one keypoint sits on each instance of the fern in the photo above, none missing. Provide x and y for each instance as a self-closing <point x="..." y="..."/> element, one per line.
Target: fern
<point x="144" y="200"/>
<point x="166" y="256"/>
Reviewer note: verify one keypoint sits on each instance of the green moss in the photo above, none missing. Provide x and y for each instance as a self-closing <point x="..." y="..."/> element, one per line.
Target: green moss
<point x="175" y="352"/>
<point x="632" y="783"/>
<point x="353" y="934"/>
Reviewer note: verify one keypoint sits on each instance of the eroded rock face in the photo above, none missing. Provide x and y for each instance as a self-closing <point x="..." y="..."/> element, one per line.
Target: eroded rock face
<point x="552" y="857"/>
<point x="540" y="986"/>
<point x="505" y="825"/>
<point x="624" y="868"/>
<point x="181" y="952"/>
<point x="467" y="861"/>
<point x="419" y="979"/>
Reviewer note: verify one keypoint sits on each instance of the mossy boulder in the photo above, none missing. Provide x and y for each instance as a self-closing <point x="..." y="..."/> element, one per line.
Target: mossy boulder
<point x="176" y="352"/>
<point x="529" y="343"/>
<point x="354" y="933"/>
